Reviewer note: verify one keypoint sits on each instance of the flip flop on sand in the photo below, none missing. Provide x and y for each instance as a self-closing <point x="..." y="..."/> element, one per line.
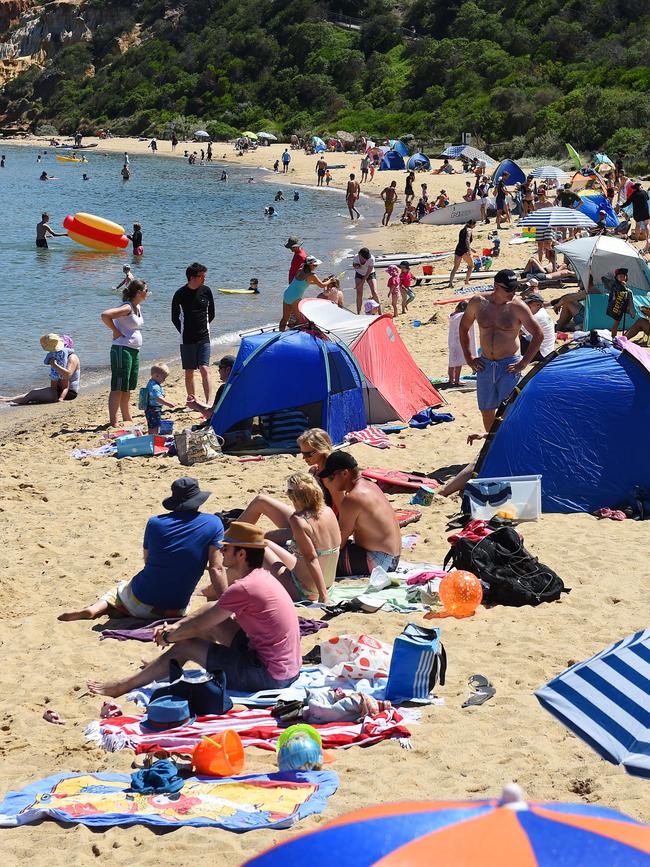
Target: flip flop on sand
<point x="52" y="716"/>
<point x="482" y="691"/>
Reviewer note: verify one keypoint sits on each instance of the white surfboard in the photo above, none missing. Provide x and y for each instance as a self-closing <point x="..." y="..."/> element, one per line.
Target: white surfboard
<point x="460" y="212"/>
<point x="384" y="260"/>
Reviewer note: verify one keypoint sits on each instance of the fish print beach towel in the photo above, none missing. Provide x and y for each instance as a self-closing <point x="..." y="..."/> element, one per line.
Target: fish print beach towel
<point x="235" y="803"/>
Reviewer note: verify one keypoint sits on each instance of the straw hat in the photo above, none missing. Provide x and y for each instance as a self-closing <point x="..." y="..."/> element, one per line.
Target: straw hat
<point x="242" y="535"/>
<point x="52" y="342"/>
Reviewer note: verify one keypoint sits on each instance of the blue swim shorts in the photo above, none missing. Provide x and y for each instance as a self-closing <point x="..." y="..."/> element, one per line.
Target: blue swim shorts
<point x="494" y="383"/>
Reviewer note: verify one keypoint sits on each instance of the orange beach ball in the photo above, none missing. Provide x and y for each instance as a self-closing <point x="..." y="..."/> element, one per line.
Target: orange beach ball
<point x="460" y="593"/>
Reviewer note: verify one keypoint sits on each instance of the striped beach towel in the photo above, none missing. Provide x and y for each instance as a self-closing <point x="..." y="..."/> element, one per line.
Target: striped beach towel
<point x="256" y="727"/>
<point x="370" y="436"/>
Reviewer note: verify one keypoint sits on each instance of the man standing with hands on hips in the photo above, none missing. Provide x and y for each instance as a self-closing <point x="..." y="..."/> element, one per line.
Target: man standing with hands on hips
<point x="500" y="317"/>
<point x="192" y="313"/>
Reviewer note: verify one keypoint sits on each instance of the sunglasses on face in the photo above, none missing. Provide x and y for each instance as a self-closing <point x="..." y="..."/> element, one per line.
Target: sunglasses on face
<point x="307" y="454"/>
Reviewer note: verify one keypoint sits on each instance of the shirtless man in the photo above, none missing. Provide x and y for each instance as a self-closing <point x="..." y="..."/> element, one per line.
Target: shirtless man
<point x="352" y="194"/>
<point x="43" y="229"/>
<point x="364" y="514"/>
<point x="389" y="195"/>
<point x="500" y="318"/>
<point x="321" y="168"/>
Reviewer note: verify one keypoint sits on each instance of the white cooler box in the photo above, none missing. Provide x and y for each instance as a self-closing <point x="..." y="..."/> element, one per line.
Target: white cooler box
<point x="524" y="501"/>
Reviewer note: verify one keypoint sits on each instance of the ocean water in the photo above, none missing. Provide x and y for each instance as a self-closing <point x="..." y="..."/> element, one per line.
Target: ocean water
<point x="187" y="214"/>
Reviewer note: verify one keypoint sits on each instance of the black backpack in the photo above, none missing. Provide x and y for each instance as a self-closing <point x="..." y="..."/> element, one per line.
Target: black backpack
<point x="510" y="575"/>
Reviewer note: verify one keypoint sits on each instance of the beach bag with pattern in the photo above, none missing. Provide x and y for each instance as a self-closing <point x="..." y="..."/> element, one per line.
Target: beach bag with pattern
<point x="355" y="656"/>
<point x="418" y="663"/>
<point x="143" y="398"/>
<point x="197" y="446"/>
<point x="510" y="575"/>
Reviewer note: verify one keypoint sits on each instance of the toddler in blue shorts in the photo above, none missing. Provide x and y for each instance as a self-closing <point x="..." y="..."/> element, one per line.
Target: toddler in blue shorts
<point x="155" y="397"/>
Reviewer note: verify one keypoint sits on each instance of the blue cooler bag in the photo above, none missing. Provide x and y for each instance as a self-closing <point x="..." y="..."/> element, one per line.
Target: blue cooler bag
<point x="418" y="663"/>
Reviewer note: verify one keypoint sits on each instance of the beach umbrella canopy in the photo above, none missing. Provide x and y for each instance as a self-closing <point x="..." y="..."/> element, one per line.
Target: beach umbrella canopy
<point x="602" y="160"/>
<point x="267" y="135"/>
<point x="566" y="217"/>
<point x="345" y="136"/>
<point x="550" y="173"/>
<point x="201" y="133"/>
<point x="318" y="143"/>
<point x="606" y="702"/>
<point x="455" y="152"/>
<point x="575" y="156"/>
<point x="471" y="833"/>
<point x="251" y="135"/>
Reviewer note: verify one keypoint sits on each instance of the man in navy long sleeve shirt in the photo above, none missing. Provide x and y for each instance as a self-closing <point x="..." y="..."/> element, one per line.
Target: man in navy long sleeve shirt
<point x="192" y="313"/>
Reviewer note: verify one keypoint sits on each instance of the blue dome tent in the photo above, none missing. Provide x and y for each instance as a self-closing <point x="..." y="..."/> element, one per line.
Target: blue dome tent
<point x="591" y="205"/>
<point x="392" y="162"/>
<point x="580" y="419"/>
<point x="517" y="175"/>
<point x="292" y="370"/>
<point x="319" y="144"/>
<point x="418" y="161"/>
<point x="400" y="147"/>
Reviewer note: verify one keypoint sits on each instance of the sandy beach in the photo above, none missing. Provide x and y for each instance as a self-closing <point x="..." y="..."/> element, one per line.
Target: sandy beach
<point x="71" y="529"/>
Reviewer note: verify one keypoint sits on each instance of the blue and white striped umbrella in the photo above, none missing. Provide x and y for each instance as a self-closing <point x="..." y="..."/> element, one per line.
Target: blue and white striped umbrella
<point x="455" y="152"/>
<point x="550" y="173"/>
<point x="565" y="217"/>
<point x="606" y="702"/>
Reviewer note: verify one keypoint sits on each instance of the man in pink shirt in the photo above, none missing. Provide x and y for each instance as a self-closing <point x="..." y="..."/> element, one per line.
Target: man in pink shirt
<point x="251" y="633"/>
<point x="299" y="257"/>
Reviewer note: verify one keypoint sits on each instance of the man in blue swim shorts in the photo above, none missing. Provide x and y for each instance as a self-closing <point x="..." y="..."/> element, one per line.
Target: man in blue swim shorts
<point x="500" y="317"/>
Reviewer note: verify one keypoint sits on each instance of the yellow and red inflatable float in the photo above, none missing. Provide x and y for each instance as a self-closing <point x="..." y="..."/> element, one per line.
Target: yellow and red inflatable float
<point x="96" y="233"/>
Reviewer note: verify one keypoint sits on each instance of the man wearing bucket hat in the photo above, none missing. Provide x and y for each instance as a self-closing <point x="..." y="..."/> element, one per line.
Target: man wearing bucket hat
<point x="251" y="633"/>
<point x="177" y="547"/>
<point x="500" y="317"/>
<point x="299" y="256"/>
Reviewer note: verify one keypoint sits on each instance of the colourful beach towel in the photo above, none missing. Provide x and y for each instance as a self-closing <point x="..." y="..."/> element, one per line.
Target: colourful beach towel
<point x="256" y="727"/>
<point x="234" y="803"/>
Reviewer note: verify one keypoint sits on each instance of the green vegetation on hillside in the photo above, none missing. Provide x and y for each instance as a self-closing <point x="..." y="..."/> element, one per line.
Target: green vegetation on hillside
<point x="531" y="74"/>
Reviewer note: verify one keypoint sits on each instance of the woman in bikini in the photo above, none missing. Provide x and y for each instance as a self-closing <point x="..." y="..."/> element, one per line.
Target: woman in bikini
<point x="306" y="567"/>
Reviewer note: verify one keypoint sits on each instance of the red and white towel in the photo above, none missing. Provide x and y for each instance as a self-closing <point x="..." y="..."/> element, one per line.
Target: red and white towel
<point x="370" y="436"/>
<point x="256" y="727"/>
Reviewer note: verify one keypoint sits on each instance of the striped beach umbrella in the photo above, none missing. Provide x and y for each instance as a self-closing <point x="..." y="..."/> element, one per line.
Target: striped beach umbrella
<point x="545" y="218"/>
<point x="457" y="151"/>
<point x="505" y="833"/>
<point x="606" y="702"/>
<point x="550" y="173"/>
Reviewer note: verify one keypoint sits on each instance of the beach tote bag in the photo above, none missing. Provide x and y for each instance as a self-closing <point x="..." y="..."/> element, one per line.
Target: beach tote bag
<point x="205" y="695"/>
<point x="418" y="663"/>
<point x="197" y="446"/>
<point x="355" y="656"/>
<point x="143" y="398"/>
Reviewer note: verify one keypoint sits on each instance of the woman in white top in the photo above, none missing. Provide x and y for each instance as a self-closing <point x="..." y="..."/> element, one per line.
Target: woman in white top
<point x="125" y="323"/>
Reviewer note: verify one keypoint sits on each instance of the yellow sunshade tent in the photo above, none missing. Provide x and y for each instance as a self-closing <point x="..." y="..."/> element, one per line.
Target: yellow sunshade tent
<point x="575" y="156"/>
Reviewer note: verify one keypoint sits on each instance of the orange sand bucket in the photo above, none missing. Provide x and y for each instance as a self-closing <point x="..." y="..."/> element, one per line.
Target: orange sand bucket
<point x="221" y="755"/>
<point x="427" y="270"/>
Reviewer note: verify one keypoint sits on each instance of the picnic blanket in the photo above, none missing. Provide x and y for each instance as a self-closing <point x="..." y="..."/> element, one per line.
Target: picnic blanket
<point x="234" y="803"/>
<point x="144" y="631"/>
<point x="256" y="727"/>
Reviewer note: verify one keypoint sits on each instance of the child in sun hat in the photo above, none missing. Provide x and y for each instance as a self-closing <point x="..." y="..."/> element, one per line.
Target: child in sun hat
<point x="56" y="350"/>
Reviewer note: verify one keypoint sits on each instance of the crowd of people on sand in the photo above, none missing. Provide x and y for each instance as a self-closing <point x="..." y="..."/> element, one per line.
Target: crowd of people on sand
<point x="333" y="522"/>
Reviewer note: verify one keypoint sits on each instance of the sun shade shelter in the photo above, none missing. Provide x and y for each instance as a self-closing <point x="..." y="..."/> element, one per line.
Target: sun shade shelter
<point x="515" y="172"/>
<point x="580" y="419"/>
<point x="396" y="388"/>
<point x="292" y="370"/>
<point x="457" y="152"/>
<point x="392" y="161"/>
<point x="418" y="162"/>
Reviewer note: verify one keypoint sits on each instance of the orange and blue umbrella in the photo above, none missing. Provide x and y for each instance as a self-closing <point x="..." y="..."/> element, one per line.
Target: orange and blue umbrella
<point x="470" y="834"/>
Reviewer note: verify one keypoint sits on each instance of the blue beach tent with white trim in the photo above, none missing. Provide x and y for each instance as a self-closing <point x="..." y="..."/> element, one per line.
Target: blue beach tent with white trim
<point x="293" y="370"/>
<point x="516" y="173"/>
<point x="580" y="419"/>
<point x="392" y="161"/>
<point x="419" y="161"/>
